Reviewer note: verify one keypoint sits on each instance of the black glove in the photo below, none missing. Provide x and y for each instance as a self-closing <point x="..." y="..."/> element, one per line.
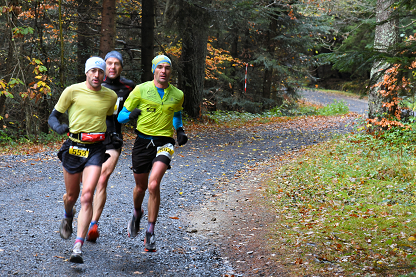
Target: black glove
<point x="53" y="121"/>
<point x="116" y="141"/>
<point x="61" y="129"/>
<point x="135" y="113"/>
<point x="182" y="138"/>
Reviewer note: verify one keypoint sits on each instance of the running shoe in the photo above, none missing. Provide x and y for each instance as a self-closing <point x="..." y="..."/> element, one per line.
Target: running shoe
<point x="133" y="226"/>
<point x="65" y="229"/>
<point x="76" y="256"/>
<point x="150" y="242"/>
<point x="93" y="233"/>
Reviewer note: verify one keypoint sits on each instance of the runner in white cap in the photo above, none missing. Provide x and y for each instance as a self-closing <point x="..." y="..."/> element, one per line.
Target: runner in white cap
<point x="89" y="105"/>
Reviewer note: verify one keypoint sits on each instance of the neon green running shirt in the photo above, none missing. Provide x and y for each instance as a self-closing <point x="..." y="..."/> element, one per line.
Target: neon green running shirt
<point x="87" y="109"/>
<point x="157" y="114"/>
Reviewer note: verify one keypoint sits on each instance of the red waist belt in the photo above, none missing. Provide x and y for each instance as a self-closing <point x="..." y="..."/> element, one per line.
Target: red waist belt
<point x="88" y="137"/>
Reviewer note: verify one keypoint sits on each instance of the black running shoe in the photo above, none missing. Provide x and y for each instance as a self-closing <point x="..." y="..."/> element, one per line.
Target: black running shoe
<point x="133" y="226"/>
<point x="65" y="229"/>
<point x="150" y="242"/>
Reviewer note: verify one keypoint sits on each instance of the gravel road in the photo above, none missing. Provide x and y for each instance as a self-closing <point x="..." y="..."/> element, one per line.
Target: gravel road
<point x="356" y="105"/>
<point x="194" y="218"/>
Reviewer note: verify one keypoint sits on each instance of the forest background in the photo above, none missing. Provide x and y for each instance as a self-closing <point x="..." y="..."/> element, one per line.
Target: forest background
<point x="252" y="56"/>
<point x="227" y="55"/>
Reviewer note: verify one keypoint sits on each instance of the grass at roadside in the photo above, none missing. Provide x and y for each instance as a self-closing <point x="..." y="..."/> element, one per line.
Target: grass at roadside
<point x="348" y="205"/>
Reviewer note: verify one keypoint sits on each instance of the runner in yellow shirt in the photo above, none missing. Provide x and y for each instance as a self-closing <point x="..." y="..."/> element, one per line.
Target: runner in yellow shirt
<point x="89" y="105"/>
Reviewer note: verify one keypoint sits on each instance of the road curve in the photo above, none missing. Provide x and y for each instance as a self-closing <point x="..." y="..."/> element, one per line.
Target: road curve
<point x="356" y="105"/>
<point x="198" y="230"/>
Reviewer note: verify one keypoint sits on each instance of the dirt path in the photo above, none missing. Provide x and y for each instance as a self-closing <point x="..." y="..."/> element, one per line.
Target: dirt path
<point x="212" y="220"/>
<point x="356" y="105"/>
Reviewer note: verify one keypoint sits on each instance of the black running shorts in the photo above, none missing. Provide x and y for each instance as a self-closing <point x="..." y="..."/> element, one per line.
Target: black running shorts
<point x="145" y="153"/>
<point x="74" y="164"/>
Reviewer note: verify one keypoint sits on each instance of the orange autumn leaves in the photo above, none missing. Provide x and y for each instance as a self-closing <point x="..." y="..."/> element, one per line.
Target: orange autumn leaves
<point x="391" y="86"/>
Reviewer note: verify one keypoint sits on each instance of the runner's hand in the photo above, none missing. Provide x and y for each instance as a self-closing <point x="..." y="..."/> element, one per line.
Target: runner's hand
<point x="61" y="129"/>
<point x="182" y="138"/>
<point x="135" y="114"/>
<point x="116" y="141"/>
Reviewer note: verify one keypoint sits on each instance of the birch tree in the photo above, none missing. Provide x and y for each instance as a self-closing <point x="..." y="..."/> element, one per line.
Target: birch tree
<point x="386" y="35"/>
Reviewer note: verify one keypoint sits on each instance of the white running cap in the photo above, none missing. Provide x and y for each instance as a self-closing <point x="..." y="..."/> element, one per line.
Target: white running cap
<point x="94" y="62"/>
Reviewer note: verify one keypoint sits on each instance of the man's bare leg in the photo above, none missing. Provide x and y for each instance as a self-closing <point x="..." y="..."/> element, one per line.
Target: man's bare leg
<point x="100" y="196"/>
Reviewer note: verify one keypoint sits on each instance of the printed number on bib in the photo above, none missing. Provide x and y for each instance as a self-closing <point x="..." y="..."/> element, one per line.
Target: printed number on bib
<point x="165" y="150"/>
<point x="78" y="151"/>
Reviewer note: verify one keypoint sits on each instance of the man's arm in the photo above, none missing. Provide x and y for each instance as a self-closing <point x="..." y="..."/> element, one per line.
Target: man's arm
<point x="125" y="115"/>
<point x="53" y="121"/>
<point x="111" y="130"/>
<point x="182" y="138"/>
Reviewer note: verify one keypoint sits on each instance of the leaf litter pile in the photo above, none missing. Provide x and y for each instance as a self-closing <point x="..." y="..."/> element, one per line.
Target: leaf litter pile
<point x="346" y="207"/>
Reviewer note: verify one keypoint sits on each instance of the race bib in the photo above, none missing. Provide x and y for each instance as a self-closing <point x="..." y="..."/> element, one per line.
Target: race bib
<point x="165" y="150"/>
<point x="79" y="152"/>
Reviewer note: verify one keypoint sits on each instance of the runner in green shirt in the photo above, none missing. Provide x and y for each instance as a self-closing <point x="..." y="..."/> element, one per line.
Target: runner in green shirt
<point x="157" y="106"/>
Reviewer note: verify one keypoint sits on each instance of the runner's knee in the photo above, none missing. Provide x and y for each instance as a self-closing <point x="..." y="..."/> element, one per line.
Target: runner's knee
<point x="71" y="198"/>
<point x="86" y="197"/>
<point x="154" y="187"/>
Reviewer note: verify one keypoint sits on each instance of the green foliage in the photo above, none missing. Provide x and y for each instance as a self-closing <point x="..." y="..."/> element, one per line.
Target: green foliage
<point x="220" y="117"/>
<point x="357" y="86"/>
<point x="14" y="138"/>
<point x="336" y="108"/>
<point x="350" y="201"/>
<point x="21" y="31"/>
<point x="398" y="138"/>
<point x="234" y="104"/>
<point x="291" y="109"/>
<point x="4" y="138"/>
<point x="288" y="108"/>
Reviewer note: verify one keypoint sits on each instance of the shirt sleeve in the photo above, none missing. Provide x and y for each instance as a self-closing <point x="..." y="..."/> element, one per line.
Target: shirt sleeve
<point x="177" y="120"/>
<point x="65" y="100"/>
<point x="133" y="100"/>
<point x="123" y="116"/>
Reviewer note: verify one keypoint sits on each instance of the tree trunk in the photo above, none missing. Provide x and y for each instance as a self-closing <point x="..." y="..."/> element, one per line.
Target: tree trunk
<point x="62" y="75"/>
<point x="147" y="38"/>
<point x="194" y="23"/>
<point x="234" y="54"/>
<point x="28" y="116"/>
<point x="385" y="37"/>
<point x="43" y="108"/>
<point x="84" y="42"/>
<point x="268" y="72"/>
<point x="108" y="27"/>
<point x="11" y="21"/>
